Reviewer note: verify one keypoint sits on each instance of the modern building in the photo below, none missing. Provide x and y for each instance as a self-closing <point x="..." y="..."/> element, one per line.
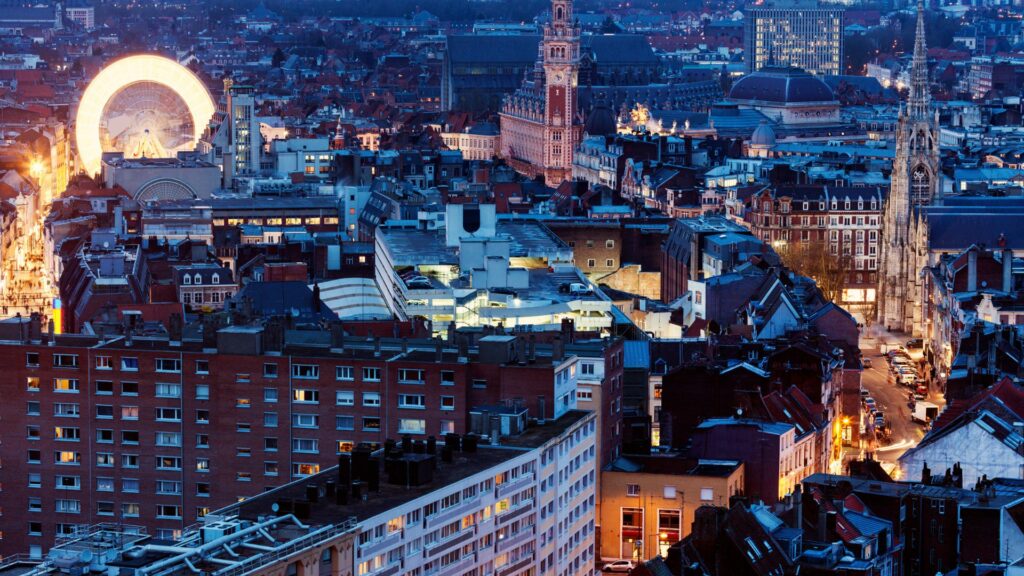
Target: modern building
<point x="161" y="178"/>
<point x="522" y="504"/>
<point x="159" y="430"/>
<point x="800" y="33"/>
<point x="81" y="13"/>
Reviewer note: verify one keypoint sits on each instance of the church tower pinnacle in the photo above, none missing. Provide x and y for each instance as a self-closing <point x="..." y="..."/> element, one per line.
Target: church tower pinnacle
<point x="920" y="99"/>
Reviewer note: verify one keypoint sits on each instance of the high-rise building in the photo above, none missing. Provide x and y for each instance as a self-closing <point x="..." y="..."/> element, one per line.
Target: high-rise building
<point x="798" y="33"/>
<point x="915" y="178"/>
<point x="244" y="132"/>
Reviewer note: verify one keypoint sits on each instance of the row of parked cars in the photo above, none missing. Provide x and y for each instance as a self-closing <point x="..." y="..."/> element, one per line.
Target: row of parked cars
<point x="904" y="371"/>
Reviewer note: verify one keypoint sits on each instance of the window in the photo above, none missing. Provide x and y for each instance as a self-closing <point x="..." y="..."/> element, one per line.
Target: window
<point x="270" y="444"/>
<point x="68" y="385"/>
<point x="270" y="395"/>
<point x="344" y="373"/>
<point x="130" y="485"/>
<point x="707" y="494"/>
<point x="130" y="510"/>
<point x="479" y="383"/>
<point x="105" y="459"/>
<point x="202" y="366"/>
<point x="202" y="440"/>
<point x="129" y="413"/>
<point x="371" y="399"/>
<point x="371" y="374"/>
<point x="447" y="402"/>
<point x="202" y="416"/>
<point x="172" y="365"/>
<point x="32" y="383"/>
<point x="67" y="433"/>
<point x="65" y="360"/>
<point x="345" y="398"/>
<point x="202" y="464"/>
<point x="609" y="244"/>
<point x="104" y="508"/>
<point x="63" y="409"/>
<point x="305" y="420"/>
<point x="305" y="445"/>
<point x="410" y="376"/>
<point x="412" y="426"/>
<point x="168" y="390"/>
<point x="202" y="391"/>
<point x="304" y="469"/>
<point x="447" y="377"/>
<point x="35" y="457"/>
<point x="203" y="489"/>
<point x="243" y="452"/>
<point x="270" y="370"/>
<point x="632" y="489"/>
<point x="371" y="424"/>
<point x="104" y="387"/>
<point x="35" y="480"/>
<point x="168" y="511"/>
<point x="168" y="414"/>
<point x="414" y="401"/>
<point x="130" y="437"/>
<point x="105" y="436"/>
<point x="129" y="388"/>
<point x="305" y="396"/>
<point x="68" y="483"/>
<point x="130" y="364"/>
<point x="591" y="262"/>
<point x="609" y="262"/>
<point x="67" y="457"/>
<point x="168" y="487"/>
<point x="587" y="369"/>
<point x="243" y="427"/>
<point x="342" y="422"/>
<point x="32" y="359"/>
<point x="306" y="371"/>
<point x="104" y="484"/>
<point x="168" y="463"/>
<point x="270" y="419"/>
<point x="168" y="439"/>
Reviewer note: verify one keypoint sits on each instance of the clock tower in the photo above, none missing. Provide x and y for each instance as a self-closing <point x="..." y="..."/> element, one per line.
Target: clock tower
<point x="562" y="127"/>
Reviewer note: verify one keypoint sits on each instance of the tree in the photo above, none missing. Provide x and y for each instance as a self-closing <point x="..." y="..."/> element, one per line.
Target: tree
<point x="813" y="259"/>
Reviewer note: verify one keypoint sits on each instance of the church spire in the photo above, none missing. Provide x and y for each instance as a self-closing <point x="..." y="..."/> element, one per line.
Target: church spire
<point x="919" y="90"/>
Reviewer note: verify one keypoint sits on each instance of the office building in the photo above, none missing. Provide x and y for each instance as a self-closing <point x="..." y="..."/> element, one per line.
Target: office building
<point x="798" y="33"/>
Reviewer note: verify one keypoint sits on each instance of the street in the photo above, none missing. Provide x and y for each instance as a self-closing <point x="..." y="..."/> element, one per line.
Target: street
<point x="891" y="400"/>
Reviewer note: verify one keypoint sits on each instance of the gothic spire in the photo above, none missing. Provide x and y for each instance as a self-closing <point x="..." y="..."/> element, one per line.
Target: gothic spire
<point x="919" y="95"/>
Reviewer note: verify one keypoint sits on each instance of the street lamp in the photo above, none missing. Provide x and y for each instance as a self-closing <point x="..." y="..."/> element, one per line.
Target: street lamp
<point x="35" y="168"/>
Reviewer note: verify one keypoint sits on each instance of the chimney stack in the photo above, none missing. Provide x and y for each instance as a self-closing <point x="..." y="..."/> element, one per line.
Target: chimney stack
<point x="972" y="270"/>
<point x="557" y="349"/>
<point x="1007" y="270"/>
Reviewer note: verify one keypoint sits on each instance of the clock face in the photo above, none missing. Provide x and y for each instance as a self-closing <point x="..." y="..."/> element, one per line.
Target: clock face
<point x="559" y="76"/>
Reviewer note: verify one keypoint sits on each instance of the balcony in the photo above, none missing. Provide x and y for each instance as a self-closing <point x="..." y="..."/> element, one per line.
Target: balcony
<point x="371" y="549"/>
<point x="517" y="485"/>
<point x="449" y="514"/>
<point x="522" y="510"/>
<point x="515" y="540"/>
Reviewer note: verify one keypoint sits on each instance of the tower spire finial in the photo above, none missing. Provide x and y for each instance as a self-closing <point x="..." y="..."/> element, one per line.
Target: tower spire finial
<point x="920" y="98"/>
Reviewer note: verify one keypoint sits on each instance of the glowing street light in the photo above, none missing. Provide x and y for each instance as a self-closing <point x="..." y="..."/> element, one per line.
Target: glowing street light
<point x="35" y="168"/>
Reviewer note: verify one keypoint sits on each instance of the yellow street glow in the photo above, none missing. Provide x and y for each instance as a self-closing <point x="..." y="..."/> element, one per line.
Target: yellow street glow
<point x="130" y="70"/>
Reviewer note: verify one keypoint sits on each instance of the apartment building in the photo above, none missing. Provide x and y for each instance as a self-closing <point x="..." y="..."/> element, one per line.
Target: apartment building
<point x="523" y="506"/>
<point x="159" y="431"/>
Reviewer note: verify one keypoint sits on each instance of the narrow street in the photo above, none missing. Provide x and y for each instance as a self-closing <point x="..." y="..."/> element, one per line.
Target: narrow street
<point x="892" y="400"/>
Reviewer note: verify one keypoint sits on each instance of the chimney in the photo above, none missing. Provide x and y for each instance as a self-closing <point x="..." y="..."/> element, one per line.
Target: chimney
<point x="926" y="475"/>
<point x="1007" y="270"/>
<point x="532" y="354"/>
<point x="557" y="349"/>
<point x="405" y="345"/>
<point x="337" y="335"/>
<point x="830" y="525"/>
<point x="376" y="347"/>
<point x="439" y="350"/>
<point x="798" y="507"/>
<point x="463" y="348"/>
<point x="972" y="270"/>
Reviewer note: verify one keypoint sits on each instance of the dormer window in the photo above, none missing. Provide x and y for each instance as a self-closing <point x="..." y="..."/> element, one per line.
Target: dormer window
<point x="860" y="204"/>
<point x="198" y="279"/>
<point x="834" y="204"/>
<point x="807" y="205"/>
<point x="847" y="203"/>
<point x="186" y="279"/>
<point x="874" y="204"/>
<point x="215" y="279"/>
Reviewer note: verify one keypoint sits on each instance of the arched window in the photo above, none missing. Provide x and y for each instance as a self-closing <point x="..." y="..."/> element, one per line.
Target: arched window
<point x="920" y="186"/>
<point x="558" y="13"/>
<point x="215" y="279"/>
<point x="198" y="278"/>
<point x="186" y="279"/>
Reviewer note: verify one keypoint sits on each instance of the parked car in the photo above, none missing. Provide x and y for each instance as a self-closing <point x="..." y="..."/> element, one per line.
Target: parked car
<point x="879" y="420"/>
<point x="870" y="403"/>
<point x="867" y="362"/>
<point x="619" y="566"/>
<point x="915" y="343"/>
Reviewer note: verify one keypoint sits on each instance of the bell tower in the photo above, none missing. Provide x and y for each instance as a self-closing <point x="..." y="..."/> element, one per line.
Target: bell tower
<point x="561" y="53"/>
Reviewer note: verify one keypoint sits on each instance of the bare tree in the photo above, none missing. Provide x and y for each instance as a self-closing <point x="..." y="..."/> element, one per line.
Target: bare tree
<point x="830" y="271"/>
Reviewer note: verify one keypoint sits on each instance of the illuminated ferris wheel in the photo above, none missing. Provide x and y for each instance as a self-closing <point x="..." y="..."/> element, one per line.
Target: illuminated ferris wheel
<point x="142" y="106"/>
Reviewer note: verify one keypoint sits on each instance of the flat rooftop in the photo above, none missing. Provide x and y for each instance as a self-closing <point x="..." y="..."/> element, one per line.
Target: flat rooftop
<point x="326" y="511"/>
<point x="411" y="246"/>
